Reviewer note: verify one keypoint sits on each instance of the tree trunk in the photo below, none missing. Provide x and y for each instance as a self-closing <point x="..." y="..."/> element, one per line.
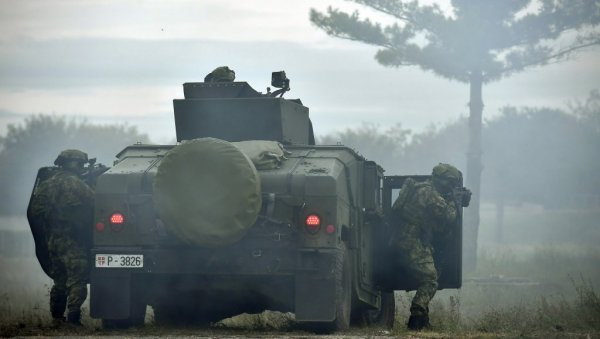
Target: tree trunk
<point x="474" y="168"/>
<point x="500" y="221"/>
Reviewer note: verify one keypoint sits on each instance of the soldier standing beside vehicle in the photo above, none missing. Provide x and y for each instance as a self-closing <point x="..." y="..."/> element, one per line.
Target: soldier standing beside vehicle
<point x="425" y="213"/>
<point x="64" y="204"/>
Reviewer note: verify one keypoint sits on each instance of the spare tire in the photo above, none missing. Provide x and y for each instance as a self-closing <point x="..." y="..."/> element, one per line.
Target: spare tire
<point x="207" y="192"/>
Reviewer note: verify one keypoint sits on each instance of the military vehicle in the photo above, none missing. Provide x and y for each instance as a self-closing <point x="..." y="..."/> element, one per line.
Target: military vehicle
<point x="245" y="213"/>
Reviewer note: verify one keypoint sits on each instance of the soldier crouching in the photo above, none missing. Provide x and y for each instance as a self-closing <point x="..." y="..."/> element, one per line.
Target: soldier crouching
<point x="423" y="214"/>
<point x="64" y="203"/>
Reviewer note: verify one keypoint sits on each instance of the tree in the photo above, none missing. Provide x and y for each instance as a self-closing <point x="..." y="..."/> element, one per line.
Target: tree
<point x="589" y="111"/>
<point x="480" y="42"/>
<point x="436" y="144"/>
<point x="543" y="156"/>
<point x="384" y="147"/>
<point x="37" y="142"/>
<point x="540" y="155"/>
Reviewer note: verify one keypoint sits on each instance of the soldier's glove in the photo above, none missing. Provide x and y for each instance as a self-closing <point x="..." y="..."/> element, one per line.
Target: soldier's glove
<point x="466" y="197"/>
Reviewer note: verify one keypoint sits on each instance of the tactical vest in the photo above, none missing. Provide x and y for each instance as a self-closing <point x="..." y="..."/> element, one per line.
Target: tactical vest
<point x="408" y="218"/>
<point x="407" y="192"/>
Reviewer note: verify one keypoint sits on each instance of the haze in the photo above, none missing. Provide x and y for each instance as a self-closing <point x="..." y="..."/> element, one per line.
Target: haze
<point x="124" y="62"/>
<point x="121" y="62"/>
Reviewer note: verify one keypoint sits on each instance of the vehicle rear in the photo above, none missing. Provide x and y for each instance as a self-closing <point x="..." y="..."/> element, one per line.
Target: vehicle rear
<point x="246" y="214"/>
<point x="284" y="261"/>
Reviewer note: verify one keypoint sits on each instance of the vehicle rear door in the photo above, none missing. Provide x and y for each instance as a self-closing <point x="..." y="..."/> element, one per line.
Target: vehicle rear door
<point x="390" y="274"/>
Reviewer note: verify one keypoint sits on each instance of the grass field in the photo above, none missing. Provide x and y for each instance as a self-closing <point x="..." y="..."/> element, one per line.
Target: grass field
<point x="541" y="281"/>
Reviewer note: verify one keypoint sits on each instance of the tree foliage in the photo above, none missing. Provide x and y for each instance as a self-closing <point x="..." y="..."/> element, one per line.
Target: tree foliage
<point x="445" y="144"/>
<point x="479" y="42"/>
<point x="537" y="155"/>
<point x="588" y="111"/>
<point x="36" y="143"/>
<point x="496" y="38"/>
<point x="385" y="147"/>
<point x="541" y="155"/>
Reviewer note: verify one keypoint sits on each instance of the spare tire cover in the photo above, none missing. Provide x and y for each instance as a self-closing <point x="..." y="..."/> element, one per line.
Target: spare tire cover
<point x="207" y="192"/>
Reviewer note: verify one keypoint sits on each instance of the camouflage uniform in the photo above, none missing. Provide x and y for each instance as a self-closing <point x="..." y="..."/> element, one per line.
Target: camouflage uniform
<point x="65" y="204"/>
<point x="422" y="214"/>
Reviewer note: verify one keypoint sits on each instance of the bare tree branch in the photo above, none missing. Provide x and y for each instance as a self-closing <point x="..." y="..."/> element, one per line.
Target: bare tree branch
<point x="555" y="57"/>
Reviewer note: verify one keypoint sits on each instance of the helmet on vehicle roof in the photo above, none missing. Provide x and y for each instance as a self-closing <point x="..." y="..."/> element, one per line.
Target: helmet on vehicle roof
<point x="220" y="74"/>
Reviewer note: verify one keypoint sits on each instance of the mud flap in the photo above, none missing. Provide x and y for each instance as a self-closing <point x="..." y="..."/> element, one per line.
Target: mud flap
<point x="315" y="286"/>
<point x="315" y="298"/>
<point x="110" y="294"/>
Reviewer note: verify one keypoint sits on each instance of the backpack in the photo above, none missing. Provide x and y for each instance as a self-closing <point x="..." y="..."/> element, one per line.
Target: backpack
<point x="408" y="189"/>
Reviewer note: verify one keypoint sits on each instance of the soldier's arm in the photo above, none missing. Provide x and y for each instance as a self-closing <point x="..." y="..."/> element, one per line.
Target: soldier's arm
<point x="80" y="210"/>
<point x="75" y="193"/>
<point x="443" y="210"/>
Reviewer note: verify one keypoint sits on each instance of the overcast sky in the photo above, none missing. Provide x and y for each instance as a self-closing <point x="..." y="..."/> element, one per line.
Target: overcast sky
<point x="124" y="61"/>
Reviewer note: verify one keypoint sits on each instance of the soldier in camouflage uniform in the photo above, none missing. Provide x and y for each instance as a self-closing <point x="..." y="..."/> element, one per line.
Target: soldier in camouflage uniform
<point x="220" y="74"/>
<point x="65" y="205"/>
<point x="424" y="213"/>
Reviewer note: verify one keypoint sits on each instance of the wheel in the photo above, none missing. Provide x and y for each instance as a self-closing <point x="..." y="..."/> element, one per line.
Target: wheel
<point x="343" y="295"/>
<point x="384" y="317"/>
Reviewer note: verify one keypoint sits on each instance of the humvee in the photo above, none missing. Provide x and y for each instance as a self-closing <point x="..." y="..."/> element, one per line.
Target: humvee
<point x="199" y="231"/>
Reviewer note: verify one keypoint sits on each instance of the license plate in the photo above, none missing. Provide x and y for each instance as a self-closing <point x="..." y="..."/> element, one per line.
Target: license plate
<point x="119" y="260"/>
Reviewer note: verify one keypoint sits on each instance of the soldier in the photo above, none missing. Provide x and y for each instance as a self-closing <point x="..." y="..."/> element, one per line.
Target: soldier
<point x="220" y="74"/>
<point x="424" y="213"/>
<point x="64" y="203"/>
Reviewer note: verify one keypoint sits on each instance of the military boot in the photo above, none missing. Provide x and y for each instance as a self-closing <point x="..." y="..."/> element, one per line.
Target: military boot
<point x="58" y="322"/>
<point x="418" y="322"/>
<point x="74" y="318"/>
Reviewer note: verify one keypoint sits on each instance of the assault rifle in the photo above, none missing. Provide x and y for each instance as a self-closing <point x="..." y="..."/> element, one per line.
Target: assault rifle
<point x="461" y="196"/>
<point x="92" y="171"/>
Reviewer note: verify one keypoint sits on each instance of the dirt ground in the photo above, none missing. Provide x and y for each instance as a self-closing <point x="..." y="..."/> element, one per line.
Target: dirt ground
<point x="518" y="291"/>
<point x="265" y="325"/>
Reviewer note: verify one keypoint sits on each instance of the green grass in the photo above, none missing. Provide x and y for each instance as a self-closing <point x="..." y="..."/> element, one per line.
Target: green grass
<point x="542" y="281"/>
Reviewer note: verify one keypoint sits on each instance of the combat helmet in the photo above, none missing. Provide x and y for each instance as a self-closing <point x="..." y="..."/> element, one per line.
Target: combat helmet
<point x="445" y="177"/>
<point x="220" y="74"/>
<point x="71" y="155"/>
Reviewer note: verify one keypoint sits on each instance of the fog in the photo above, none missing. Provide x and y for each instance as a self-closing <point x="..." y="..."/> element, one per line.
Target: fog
<point x="94" y="79"/>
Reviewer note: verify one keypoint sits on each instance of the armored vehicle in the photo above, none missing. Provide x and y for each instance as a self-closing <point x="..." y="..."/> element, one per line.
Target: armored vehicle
<point x="245" y="213"/>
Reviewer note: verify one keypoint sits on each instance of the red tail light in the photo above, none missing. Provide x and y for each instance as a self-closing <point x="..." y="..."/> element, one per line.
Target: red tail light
<point x="313" y="223"/>
<point x="99" y="226"/>
<point x="330" y="229"/>
<point x="117" y="219"/>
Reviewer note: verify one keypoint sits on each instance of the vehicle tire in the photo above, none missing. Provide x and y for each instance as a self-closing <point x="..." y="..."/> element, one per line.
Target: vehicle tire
<point x="343" y="295"/>
<point x="384" y="317"/>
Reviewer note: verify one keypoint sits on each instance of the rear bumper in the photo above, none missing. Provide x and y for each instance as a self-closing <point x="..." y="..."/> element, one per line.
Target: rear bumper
<point x="298" y="280"/>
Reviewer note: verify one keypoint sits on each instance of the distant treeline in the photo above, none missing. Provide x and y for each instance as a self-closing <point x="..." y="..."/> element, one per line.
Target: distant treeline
<point x="36" y="143"/>
<point x="538" y="155"/>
